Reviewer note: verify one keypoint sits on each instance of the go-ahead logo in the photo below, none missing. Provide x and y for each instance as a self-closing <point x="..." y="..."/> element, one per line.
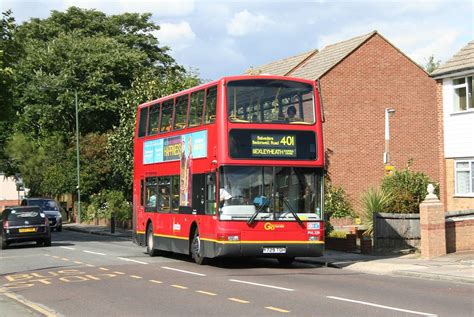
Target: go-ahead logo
<point x="270" y="226"/>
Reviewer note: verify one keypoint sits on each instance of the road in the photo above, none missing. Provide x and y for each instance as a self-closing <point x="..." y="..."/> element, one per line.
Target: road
<point x="87" y="275"/>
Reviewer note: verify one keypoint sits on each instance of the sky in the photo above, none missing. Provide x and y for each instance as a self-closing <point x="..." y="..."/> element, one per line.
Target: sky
<point x="226" y="37"/>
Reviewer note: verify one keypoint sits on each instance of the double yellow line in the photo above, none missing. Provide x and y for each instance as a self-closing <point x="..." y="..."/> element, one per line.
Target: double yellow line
<point x="29" y="304"/>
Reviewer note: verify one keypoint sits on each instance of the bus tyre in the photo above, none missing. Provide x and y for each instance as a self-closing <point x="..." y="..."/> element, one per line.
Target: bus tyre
<point x="150" y="242"/>
<point x="286" y="261"/>
<point x="196" y="251"/>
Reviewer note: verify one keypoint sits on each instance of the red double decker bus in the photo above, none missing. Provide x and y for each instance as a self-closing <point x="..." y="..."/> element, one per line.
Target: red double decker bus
<point x="234" y="167"/>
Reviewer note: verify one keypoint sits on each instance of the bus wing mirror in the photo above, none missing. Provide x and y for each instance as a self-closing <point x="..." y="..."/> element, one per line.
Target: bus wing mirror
<point x="210" y="179"/>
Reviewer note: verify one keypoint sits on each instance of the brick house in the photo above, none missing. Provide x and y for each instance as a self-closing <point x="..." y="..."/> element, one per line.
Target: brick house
<point x="9" y="196"/>
<point x="360" y="78"/>
<point x="455" y="80"/>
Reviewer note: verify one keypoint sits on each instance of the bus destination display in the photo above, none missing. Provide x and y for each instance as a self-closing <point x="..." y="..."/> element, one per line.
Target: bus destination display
<point x="273" y="145"/>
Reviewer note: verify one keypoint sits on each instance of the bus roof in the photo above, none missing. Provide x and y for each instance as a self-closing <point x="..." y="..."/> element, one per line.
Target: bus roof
<point x="226" y="79"/>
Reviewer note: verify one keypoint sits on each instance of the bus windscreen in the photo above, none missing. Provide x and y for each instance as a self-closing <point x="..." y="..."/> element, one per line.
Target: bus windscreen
<point x="270" y="101"/>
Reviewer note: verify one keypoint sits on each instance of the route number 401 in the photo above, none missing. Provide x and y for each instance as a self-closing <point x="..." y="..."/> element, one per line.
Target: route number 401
<point x="288" y="140"/>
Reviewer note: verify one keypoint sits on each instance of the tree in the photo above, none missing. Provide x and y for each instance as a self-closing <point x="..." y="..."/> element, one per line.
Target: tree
<point x="85" y="50"/>
<point x="9" y="51"/>
<point x="114" y="63"/>
<point x="145" y="88"/>
<point x="45" y="165"/>
<point x="431" y="65"/>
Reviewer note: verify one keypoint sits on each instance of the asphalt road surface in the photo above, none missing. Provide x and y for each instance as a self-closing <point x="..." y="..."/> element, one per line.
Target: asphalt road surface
<point x="87" y="275"/>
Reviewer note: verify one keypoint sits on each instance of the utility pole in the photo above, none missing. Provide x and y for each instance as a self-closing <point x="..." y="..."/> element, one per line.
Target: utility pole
<point x="78" y="161"/>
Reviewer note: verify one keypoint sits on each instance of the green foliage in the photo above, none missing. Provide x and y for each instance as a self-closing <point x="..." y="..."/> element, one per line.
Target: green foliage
<point x="45" y="165"/>
<point x="336" y="202"/>
<point x="96" y="165"/>
<point x="407" y="189"/>
<point x="104" y="204"/>
<point x="145" y="88"/>
<point x="431" y="65"/>
<point x="113" y="63"/>
<point x="374" y="201"/>
<point x="9" y="51"/>
<point x="338" y="234"/>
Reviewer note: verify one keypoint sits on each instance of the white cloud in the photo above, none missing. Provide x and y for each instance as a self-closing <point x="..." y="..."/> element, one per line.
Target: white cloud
<point x="176" y="35"/>
<point x="245" y="22"/>
<point x="417" y="40"/>
<point x="160" y="8"/>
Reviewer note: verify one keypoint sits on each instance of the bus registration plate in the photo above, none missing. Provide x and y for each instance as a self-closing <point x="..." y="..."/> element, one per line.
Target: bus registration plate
<point x="274" y="250"/>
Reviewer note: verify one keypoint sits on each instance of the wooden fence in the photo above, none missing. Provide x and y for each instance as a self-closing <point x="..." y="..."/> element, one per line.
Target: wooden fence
<point x="396" y="231"/>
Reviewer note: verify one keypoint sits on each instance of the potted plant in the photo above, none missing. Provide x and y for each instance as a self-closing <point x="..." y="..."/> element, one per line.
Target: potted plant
<point x="374" y="201"/>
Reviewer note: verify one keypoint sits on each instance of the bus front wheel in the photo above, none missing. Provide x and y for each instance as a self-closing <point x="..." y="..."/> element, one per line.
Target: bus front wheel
<point x="196" y="249"/>
<point x="150" y="243"/>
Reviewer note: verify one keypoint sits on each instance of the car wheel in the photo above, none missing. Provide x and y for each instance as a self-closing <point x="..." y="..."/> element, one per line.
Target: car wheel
<point x="286" y="261"/>
<point x="59" y="229"/>
<point x="196" y="249"/>
<point x="150" y="242"/>
<point x="47" y="242"/>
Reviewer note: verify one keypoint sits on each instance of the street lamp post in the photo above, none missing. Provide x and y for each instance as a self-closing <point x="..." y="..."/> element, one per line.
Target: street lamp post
<point x="386" y="155"/>
<point x="78" y="161"/>
<point x="78" y="187"/>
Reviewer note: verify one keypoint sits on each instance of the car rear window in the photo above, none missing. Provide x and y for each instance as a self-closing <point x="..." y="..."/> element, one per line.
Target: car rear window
<point x="44" y="203"/>
<point x="13" y="214"/>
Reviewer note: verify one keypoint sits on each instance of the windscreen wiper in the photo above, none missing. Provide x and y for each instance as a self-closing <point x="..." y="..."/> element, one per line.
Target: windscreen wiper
<point x="260" y="208"/>
<point x="293" y="212"/>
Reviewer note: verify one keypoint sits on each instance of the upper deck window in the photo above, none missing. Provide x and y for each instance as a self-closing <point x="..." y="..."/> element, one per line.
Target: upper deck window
<point x="166" y="116"/>
<point x="181" y="112"/>
<point x="142" y="122"/>
<point x="270" y="101"/>
<point x="196" y="108"/>
<point x="153" y="118"/>
<point x="211" y="101"/>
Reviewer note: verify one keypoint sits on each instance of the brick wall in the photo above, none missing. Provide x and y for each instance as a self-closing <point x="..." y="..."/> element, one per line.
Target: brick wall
<point x="355" y="93"/>
<point x="459" y="235"/>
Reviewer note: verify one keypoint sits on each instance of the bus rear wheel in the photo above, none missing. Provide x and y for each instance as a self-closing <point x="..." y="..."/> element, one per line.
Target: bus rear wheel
<point x="150" y="242"/>
<point x="196" y="249"/>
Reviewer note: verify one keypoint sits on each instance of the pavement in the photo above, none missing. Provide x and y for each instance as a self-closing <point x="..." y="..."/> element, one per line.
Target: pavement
<point x="453" y="267"/>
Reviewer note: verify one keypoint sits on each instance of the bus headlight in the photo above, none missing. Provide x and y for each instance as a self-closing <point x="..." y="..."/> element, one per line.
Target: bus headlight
<point x="233" y="238"/>
<point x="312" y="238"/>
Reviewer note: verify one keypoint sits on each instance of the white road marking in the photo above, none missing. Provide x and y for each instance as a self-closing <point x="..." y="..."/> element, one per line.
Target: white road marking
<point x="277" y="309"/>
<point x="264" y="285"/>
<point x="179" y="286"/>
<point x="238" y="300"/>
<point x="92" y="252"/>
<point x="206" y="293"/>
<point x="136" y="276"/>
<point x="68" y="248"/>
<point x="182" y="271"/>
<point x="381" y="306"/>
<point x="130" y="260"/>
<point x="156" y="282"/>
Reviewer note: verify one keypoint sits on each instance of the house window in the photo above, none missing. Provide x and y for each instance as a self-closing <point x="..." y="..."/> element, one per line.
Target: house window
<point x="463" y="94"/>
<point x="464" y="172"/>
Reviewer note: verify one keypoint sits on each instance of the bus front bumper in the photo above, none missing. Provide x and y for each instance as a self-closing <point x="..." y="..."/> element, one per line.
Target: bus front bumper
<point x="263" y="249"/>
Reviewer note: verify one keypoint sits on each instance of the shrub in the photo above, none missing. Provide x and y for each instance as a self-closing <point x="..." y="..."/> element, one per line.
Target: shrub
<point x="336" y="202"/>
<point x="338" y="234"/>
<point x="107" y="202"/>
<point x="407" y="189"/>
<point x="373" y="201"/>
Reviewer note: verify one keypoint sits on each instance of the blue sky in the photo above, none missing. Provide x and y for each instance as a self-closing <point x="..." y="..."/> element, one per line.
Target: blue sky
<point x="220" y="38"/>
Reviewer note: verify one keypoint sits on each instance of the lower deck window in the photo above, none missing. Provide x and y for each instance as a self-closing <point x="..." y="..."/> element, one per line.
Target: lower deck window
<point x="464" y="175"/>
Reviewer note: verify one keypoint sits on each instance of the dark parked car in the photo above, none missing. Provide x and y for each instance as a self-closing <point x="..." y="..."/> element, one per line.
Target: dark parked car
<point x="20" y="224"/>
<point x="50" y="207"/>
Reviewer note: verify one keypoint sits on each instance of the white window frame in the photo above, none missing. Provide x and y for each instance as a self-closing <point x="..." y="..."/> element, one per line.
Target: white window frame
<point x="468" y="93"/>
<point x="470" y="169"/>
